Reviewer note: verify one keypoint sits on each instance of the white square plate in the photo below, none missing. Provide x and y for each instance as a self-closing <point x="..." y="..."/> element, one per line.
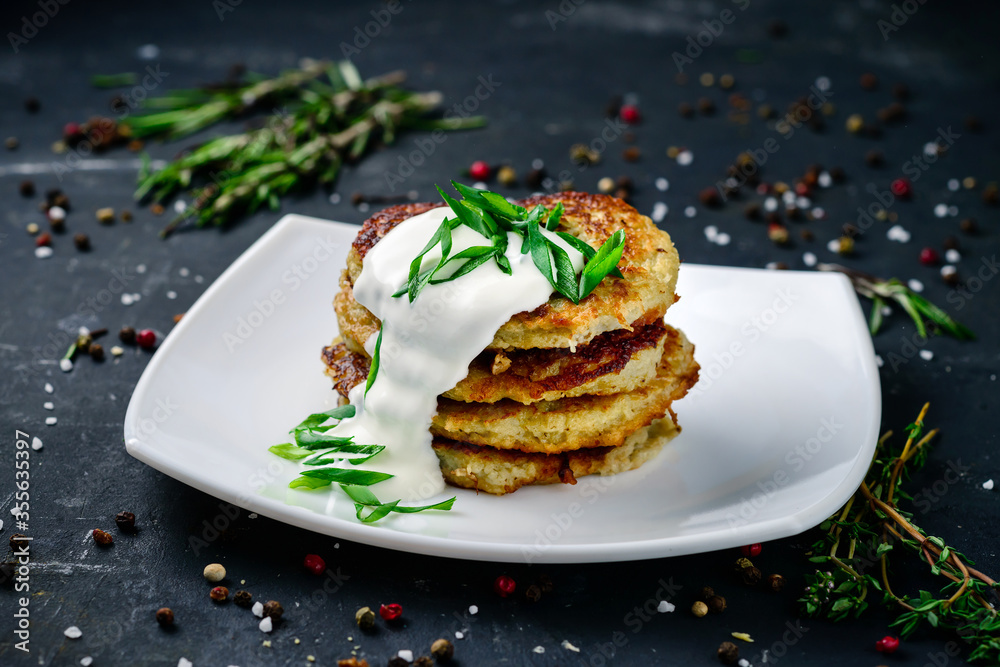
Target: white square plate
<point x="777" y="435"/>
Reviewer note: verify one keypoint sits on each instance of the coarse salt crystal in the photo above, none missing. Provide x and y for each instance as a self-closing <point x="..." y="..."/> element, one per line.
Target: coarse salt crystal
<point x="148" y="52"/>
<point x="988" y="485"/>
<point x="898" y="233"/>
<point x="770" y="204"/>
<point x="690" y="211"/>
<point x="834" y="245"/>
<point x="538" y="649"/>
<point x="788" y="197"/>
<point x="473" y="609"/>
<point x="665" y="607"/>
<point x="184" y="662"/>
<point x="36" y="443"/>
<point x="711" y="232"/>
<point x="953" y="210"/>
<point x="537" y="163"/>
<point x="43" y="252"/>
<point x="184" y="272"/>
<point x="952" y="256"/>
<point x="931" y="148"/>
<point x="57" y="213"/>
<point x="659" y="211"/>
<point x="73" y="632"/>
<point x="257" y="609"/>
<point x="824" y="179"/>
<point x="915" y="285"/>
<point x="141" y="268"/>
<point x="744" y="662"/>
<point x="685" y="157"/>
<point x="266" y="624"/>
<point x="823" y="83"/>
<point x="662" y="184"/>
<point x="180" y="206"/>
<point x="803" y="202"/>
<point x="941" y="210"/>
<point x="117" y="350"/>
<point x="127" y="299"/>
<point x="199" y="279"/>
<point x="953" y="184"/>
<point x="723" y="239"/>
<point x="49" y="405"/>
<point x="49" y="388"/>
<point x="818" y="213"/>
<point x="50" y="421"/>
<point x="86" y="661"/>
<point x="926" y="355"/>
<point x="459" y="635"/>
<point x="569" y="647"/>
<point x="878" y="360"/>
<point x="171" y="294"/>
<point x="406" y="654"/>
<point x="809" y="259"/>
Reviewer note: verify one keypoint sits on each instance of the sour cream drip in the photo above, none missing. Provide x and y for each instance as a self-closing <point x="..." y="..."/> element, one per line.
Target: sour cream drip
<point x="427" y="345"/>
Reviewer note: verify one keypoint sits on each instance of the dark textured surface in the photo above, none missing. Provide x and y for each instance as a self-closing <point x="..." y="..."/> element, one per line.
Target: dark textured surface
<point x="553" y="86"/>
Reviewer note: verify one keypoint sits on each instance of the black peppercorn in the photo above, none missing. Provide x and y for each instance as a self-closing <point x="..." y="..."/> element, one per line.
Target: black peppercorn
<point x="706" y="592"/>
<point x="243" y="599"/>
<point x="32" y="105"/>
<point x="165" y="617"/>
<point x="950" y="243"/>
<point x="102" y="538"/>
<point x="775" y="582"/>
<point x="27" y="188"/>
<point x="991" y="194"/>
<point x="534" y="178"/>
<point x="396" y="661"/>
<point x="752" y="211"/>
<point x="751" y="576"/>
<point x="274" y="610"/>
<point x="969" y="226"/>
<point x="710" y="197"/>
<point x="777" y="29"/>
<point x="365" y="619"/>
<point x="125" y="522"/>
<point x="219" y="594"/>
<point x="17" y="541"/>
<point x="728" y="653"/>
<point x="869" y="81"/>
<point x="423" y="661"/>
<point x="706" y="106"/>
<point x="96" y="352"/>
<point x="874" y="158"/>
<point x="685" y="110"/>
<point x="533" y="593"/>
<point x="716" y="604"/>
<point x="127" y="335"/>
<point x="82" y="242"/>
<point x="631" y="154"/>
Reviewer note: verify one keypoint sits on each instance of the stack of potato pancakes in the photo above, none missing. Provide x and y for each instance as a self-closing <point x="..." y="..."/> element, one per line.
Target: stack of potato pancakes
<point x="565" y="390"/>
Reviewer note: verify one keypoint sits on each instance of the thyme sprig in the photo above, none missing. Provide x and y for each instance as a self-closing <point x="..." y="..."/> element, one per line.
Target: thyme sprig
<point x="492" y="216"/>
<point x="318" y="117"/>
<point x="919" y="309"/>
<point x="870" y="528"/>
<point x="313" y="447"/>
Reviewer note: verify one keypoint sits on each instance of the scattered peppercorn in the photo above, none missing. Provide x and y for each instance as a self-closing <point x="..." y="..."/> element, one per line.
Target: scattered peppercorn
<point x="716" y="604"/>
<point x="82" y="242"/>
<point x="442" y="650"/>
<point x="751" y="550"/>
<point x="706" y="106"/>
<point x="893" y="113"/>
<point x="479" y="170"/>
<point x="949" y="274"/>
<point x="929" y="257"/>
<point x="534" y="178"/>
<point x="219" y="594"/>
<point x="887" y="644"/>
<point x="973" y="124"/>
<point x="32" y="105"/>
<point x="214" y="572"/>
<point x="706" y="592"/>
<point x="613" y="107"/>
<point x="127" y="335"/>
<point x="105" y="216"/>
<point x="728" y="653"/>
<point x="165" y="617"/>
<point x="775" y="582"/>
<point x="423" y="661"/>
<point x="950" y="243"/>
<point x="83" y="342"/>
<point x="157" y="209"/>
<point x="43" y="239"/>
<point x="390" y="612"/>
<point x="18" y="541"/>
<point x="699" y="609"/>
<point x="314" y="564"/>
<point x="630" y="114"/>
<point x="902" y="188"/>
<point x="27" y="188"/>
<point x="11" y="143"/>
<point x="583" y="155"/>
<point x="396" y="661"/>
<point x="806" y="235"/>
<point x="631" y="154"/>
<point x="504" y="585"/>
<point x="991" y="194"/>
<point x="874" y="158"/>
<point x="685" y="110"/>
<point x="243" y="599"/>
<point x="31" y="228"/>
<point x="102" y="538"/>
<point x="710" y="197"/>
<point x="146" y="339"/>
<point x="533" y="593"/>
<point x="750" y="575"/>
<point x="96" y="352"/>
<point x="273" y="610"/>
<point x="778" y="233"/>
<point x="365" y="618"/>
<point x="126" y="216"/>
<point x="969" y="226"/>
<point x="606" y="185"/>
<point x="752" y="211"/>
<point x="507" y="176"/>
<point x="777" y="29"/>
<point x="869" y="81"/>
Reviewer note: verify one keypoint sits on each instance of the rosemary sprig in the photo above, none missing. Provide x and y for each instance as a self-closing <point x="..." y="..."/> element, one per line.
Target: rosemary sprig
<point x="492" y="216"/>
<point x="869" y="528"/>
<point x="313" y="447"/>
<point x="917" y="307"/>
<point x="318" y="117"/>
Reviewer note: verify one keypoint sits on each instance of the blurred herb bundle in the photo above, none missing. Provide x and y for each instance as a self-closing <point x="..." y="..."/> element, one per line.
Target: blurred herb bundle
<point x="304" y="124"/>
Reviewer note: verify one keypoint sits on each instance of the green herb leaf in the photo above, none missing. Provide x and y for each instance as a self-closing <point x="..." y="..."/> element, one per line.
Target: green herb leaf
<point x="315" y="440"/>
<point x="376" y="361"/>
<point x="603" y="262"/>
<point x="875" y="317"/>
<point x="314" y="420"/>
<point x="347" y="476"/>
<point x="309" y="483"/>
<point x="555" y="215"/>
<point x="289" y="451"/>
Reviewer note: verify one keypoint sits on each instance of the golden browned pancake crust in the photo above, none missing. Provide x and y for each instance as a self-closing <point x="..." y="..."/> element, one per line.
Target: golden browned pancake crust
<point x="649" y="265"/>
<point x="499" y="471"/>
<point x="550" y="426"/>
